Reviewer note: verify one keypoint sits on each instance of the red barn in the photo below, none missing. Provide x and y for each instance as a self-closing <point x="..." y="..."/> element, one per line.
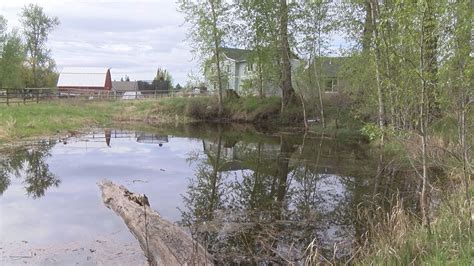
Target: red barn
<point x="85" y="80"/>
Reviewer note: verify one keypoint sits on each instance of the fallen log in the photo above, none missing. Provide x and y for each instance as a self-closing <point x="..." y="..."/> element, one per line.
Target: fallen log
<point x="163" y="242"/>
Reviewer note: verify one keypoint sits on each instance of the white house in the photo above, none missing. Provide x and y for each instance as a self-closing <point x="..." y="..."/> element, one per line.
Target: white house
<point x="239" y="72"/>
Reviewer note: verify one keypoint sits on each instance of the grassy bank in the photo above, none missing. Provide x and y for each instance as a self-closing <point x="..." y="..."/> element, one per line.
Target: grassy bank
<point x="248" y="109"/>
<point x="401" y="240"/>
<point x="56" y="117"/>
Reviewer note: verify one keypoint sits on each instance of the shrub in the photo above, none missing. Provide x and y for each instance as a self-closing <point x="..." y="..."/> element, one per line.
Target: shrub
<point x="202" y="108"/>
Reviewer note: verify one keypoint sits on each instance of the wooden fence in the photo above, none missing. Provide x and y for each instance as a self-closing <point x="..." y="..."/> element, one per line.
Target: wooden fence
<point x="12" y="96"/>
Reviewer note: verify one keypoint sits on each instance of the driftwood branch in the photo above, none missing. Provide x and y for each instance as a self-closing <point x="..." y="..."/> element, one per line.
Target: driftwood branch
<point x="163" y="242"/>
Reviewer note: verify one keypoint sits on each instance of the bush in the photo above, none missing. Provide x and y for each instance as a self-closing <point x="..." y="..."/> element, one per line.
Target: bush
<point x="202" y="108"/>
<point x="371" y="131"/>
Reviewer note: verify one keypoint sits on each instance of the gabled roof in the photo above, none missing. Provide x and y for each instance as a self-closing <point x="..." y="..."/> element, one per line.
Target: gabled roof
<point x="243" y="54"/>
<point x="331" y="66"/>
<point x="82" y="77"/>
<point x="123" y="86"/>
<point x="236" y="54"/>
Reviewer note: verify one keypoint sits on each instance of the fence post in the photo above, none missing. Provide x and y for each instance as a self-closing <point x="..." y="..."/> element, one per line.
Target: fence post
<point x="8" y="102"/>
<point x="37" y="96"/>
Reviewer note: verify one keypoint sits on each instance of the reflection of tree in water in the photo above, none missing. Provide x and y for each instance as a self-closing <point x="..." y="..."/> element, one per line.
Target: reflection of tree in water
<point x="30" y="164"/>
<point x="206" y="195"/>
<point x="273" y="202"/>
<point x="246" y="219"/>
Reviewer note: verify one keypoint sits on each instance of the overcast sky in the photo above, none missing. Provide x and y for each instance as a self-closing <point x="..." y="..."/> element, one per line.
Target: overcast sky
<point x="133" y="37"/>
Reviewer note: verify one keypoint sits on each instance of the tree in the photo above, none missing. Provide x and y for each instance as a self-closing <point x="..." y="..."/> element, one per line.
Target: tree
<point x="208" y="20"/>
<point x="458" y="76"/>
<point x="3" y="32"/>
<point x="315" y="27"/>
<point x="11" y="57"/>
<point x="162" y="81"/>
<point x="257" y="30"/>
<point x="36" y="28"/>
<point x="288" y="93"/>
<point x="11" y="62"/>
<point x="374" y="15"/>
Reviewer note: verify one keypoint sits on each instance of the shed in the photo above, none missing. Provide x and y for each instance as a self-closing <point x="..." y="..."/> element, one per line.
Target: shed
<point x="85" y="80"/>
<point x="121" y="87"/>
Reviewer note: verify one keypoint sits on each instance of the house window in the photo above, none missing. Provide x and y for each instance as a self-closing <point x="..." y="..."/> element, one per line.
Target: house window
<point x="330" y="85"/>
<point x="249" y="67"/>
<point x="228" y="68"/>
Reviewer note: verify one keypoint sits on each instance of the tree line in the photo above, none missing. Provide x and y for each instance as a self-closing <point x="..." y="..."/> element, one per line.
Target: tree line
<point x="25" y="60"/>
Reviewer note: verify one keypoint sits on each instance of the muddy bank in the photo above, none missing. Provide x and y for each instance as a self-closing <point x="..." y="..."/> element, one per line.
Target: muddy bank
<point x="102" y="250"/>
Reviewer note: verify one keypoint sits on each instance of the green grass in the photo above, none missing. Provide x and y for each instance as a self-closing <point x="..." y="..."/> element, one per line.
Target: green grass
<point x="47" y="118"/>
<point x="403" y="241"/>
<point x="56" y="117"/>
<point x="254" y="109"/>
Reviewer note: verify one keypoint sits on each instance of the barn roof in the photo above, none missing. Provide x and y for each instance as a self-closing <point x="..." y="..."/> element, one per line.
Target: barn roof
<point x="123" y="86"/>
<point x="82" y="77"/>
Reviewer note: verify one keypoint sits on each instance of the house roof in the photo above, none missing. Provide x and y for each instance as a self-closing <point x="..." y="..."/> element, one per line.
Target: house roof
<point x="123" y="86"/>
<point x="82" y="77"/>
<point x="243" y="54"/>
<point x="236" y="54"/>
<point x="331" y="66"/>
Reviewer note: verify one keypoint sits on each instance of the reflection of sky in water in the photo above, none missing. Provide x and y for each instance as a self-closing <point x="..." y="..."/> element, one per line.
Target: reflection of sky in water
<point x="74" y="210"/>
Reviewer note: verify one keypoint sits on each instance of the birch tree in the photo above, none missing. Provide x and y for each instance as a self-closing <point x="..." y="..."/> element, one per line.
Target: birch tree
<point x="207" y="20"/>
<point x="257" y="30"/>
<point x="315" y="26"/>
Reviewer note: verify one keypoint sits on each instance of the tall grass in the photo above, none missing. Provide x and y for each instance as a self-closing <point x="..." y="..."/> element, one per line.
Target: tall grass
<point x="399" y="239"/>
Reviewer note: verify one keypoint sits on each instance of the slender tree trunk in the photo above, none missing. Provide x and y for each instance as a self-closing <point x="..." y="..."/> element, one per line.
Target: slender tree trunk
<point x="301" y="96"/>
<point x="217" y="56"/>
<point x="463" y="50"/>
<point x="424" y="203"/>
<point x="320" y="95"/>
<point x="260" y="79"/>
<point x="318" y="79"/>
<point x="368" y="27"/>
<point x="288" y="93"/>
<point x="430" y="43"/>
<point x="465" y="155"/>
<point x="389" y="77"/>
<point x="381" y="111"/>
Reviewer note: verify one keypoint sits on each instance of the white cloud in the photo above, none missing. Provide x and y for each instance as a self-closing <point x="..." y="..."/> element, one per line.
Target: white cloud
<point x="133" y="37"/>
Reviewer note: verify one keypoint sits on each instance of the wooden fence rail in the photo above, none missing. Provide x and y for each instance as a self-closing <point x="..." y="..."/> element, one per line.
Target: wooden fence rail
<point x="11" y="96"/>
<point x="25" y="95"/>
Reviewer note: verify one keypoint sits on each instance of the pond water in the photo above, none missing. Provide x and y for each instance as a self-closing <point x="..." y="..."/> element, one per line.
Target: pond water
<point x="247" y="195"/>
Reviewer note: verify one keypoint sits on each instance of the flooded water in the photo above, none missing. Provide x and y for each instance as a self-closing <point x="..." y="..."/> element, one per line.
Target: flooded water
<point x="248" y="196"/>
